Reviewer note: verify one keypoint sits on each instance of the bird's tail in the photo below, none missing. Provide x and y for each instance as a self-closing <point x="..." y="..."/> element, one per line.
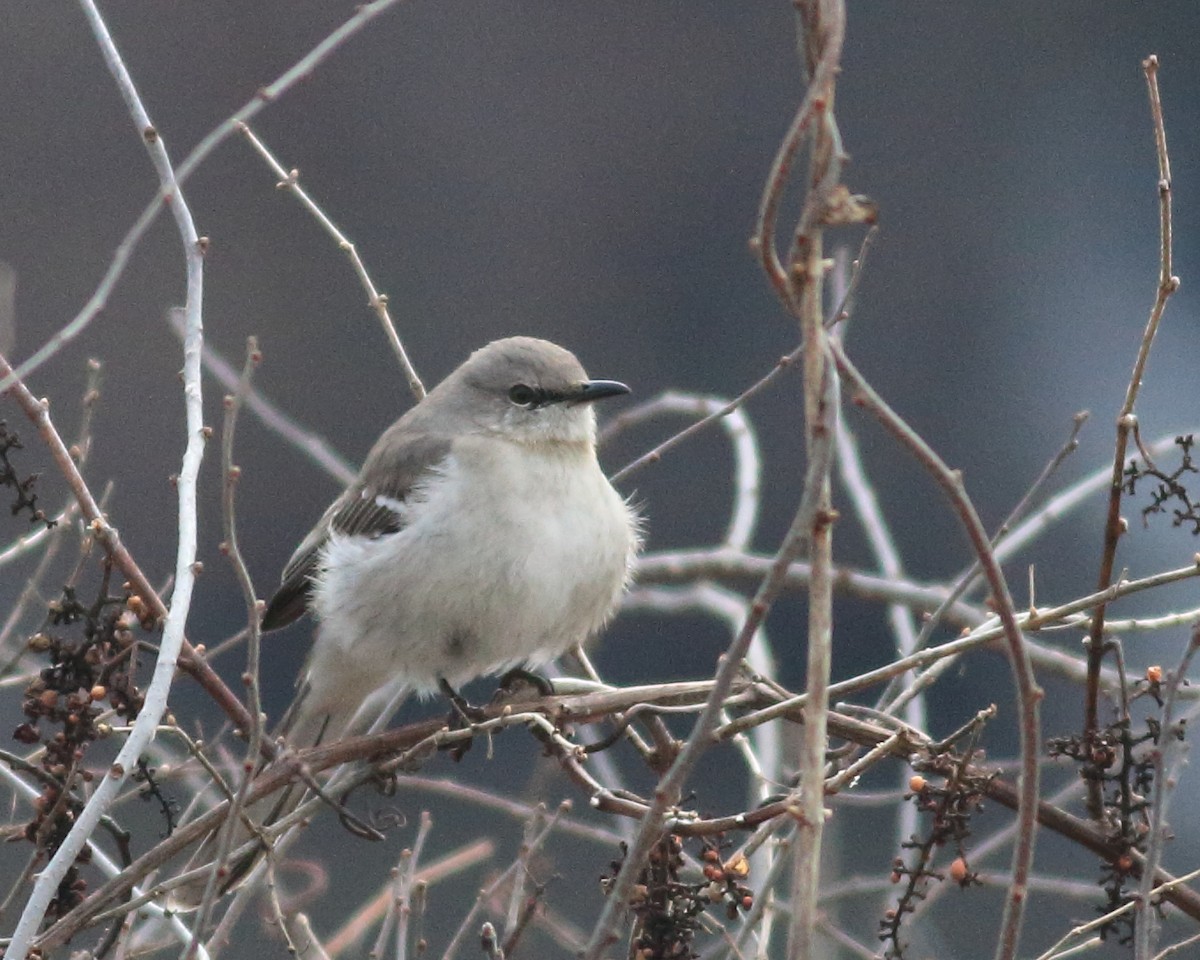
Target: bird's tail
<point x="312" y="719"/>
<point x="307" y="723"/>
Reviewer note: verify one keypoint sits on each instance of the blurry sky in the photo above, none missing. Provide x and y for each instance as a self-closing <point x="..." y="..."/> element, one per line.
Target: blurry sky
<point x="589" y="172"/>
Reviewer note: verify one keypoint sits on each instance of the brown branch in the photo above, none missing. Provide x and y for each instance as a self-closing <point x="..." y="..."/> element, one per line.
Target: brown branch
<point x="823" y="24"/>
<point x="403" y="745"/>
<point x="669" y="787"/>
<point x="462" y="858"/>
<point x="739" y="569"/>
<point x="785" y="362"/>
<point x="656" y="454"/>
<point x="290" y="180"/>
<point x="190" y="661"/>
<point x="763" y="241"/>
<point x="254" y="734"/>
<point x="1029" y="695"/>
<point x="1114" y="524"/>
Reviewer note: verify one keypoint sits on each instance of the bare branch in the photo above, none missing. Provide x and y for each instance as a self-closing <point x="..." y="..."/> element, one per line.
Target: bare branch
<point x="1168" y="283"/>
<point x="290" y="180"/>
<point x="1028" y="693"/>
<point x="155" y="704"/>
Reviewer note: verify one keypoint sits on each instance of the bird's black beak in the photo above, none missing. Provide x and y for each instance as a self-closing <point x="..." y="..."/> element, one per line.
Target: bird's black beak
<point x="592" y="390"/>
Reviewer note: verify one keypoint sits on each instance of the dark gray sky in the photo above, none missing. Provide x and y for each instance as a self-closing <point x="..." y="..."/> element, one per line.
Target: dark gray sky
<point x="590" y="173"/>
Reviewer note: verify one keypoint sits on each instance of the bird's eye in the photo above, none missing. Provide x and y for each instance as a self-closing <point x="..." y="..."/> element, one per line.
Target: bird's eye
<point x="522" y="395"/>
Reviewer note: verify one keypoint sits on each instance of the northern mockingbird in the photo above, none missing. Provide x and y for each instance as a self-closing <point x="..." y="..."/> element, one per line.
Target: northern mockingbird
<point x="479" y="535"/>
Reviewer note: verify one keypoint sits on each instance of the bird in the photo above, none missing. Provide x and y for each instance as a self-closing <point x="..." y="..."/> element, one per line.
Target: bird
<point x="480" y="535"/>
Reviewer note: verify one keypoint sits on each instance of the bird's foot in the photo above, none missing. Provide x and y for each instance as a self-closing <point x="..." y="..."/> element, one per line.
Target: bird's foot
<point x="519" y="684"/>
<point x="462" y="713"/>
<point x="463" y="716"/>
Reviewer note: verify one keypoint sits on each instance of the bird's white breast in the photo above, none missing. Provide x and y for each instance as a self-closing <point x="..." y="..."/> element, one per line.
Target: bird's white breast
<point x="511" y="553"/>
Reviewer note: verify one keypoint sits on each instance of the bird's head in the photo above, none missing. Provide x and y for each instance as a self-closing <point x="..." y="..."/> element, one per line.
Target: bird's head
<point x="528" y="390"/>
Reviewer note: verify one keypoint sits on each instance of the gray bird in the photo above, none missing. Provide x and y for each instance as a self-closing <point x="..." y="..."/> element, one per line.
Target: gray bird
<point x="480" y="535"/>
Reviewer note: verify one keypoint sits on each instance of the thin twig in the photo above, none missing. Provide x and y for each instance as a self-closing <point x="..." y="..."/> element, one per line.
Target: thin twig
<point x="1018" y="512"/>
<point x="743" y="517"/>
<point x="1112" y="915"/>
<point x="313" y="446"/>
<point x="300" y="70"/>
<point x="1174" y="948"/>
<point x="516" y="893"/>
<point x="467" y="856"/>
<point x="842" y="938"/>
<point x="290" y="180"/>
<point x="79" y="452"/>
<point x="1064" y="503"/>
<point x="27" y="595"/>
<point x="231" y="549"/>
<point x="656" y="454"/>
<point x="405" y="880"/>
<point x="875" y="526"/>
<point x="38" y="412"/>
<point x="738" y="569"/>
<point x="496" y="886"/>
<point x="496" y="801"/>
<point x="393" y="907"/>
<point x="965" y="581"/>
<point x="1028" y="693"/>
<point x="783" y="363"/>
<point x="1166" y="762"/>
<point x="1168" y="283"/>
<point x="671" y="784"/>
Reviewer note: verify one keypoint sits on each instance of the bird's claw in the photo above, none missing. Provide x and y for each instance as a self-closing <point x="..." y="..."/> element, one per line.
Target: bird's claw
<point x="520" y="684"/>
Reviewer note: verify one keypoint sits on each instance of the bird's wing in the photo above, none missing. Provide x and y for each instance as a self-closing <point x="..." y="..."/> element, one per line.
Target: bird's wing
<point x="370" y="507"/>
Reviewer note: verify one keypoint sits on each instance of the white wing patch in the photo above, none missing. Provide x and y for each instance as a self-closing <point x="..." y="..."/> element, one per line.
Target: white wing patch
<point x="391" y="504"/>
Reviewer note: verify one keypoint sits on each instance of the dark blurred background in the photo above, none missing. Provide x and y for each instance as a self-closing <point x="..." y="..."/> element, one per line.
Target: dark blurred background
<point x="590" y="173"/>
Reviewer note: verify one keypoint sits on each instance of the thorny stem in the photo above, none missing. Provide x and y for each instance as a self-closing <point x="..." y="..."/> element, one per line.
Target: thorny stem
<point x="965" y="581"/>
<point x="1126" y="421"/>
<point x="763" y="241"/>
<point x="743" y="516"/>
<point x="656" y="454"/>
